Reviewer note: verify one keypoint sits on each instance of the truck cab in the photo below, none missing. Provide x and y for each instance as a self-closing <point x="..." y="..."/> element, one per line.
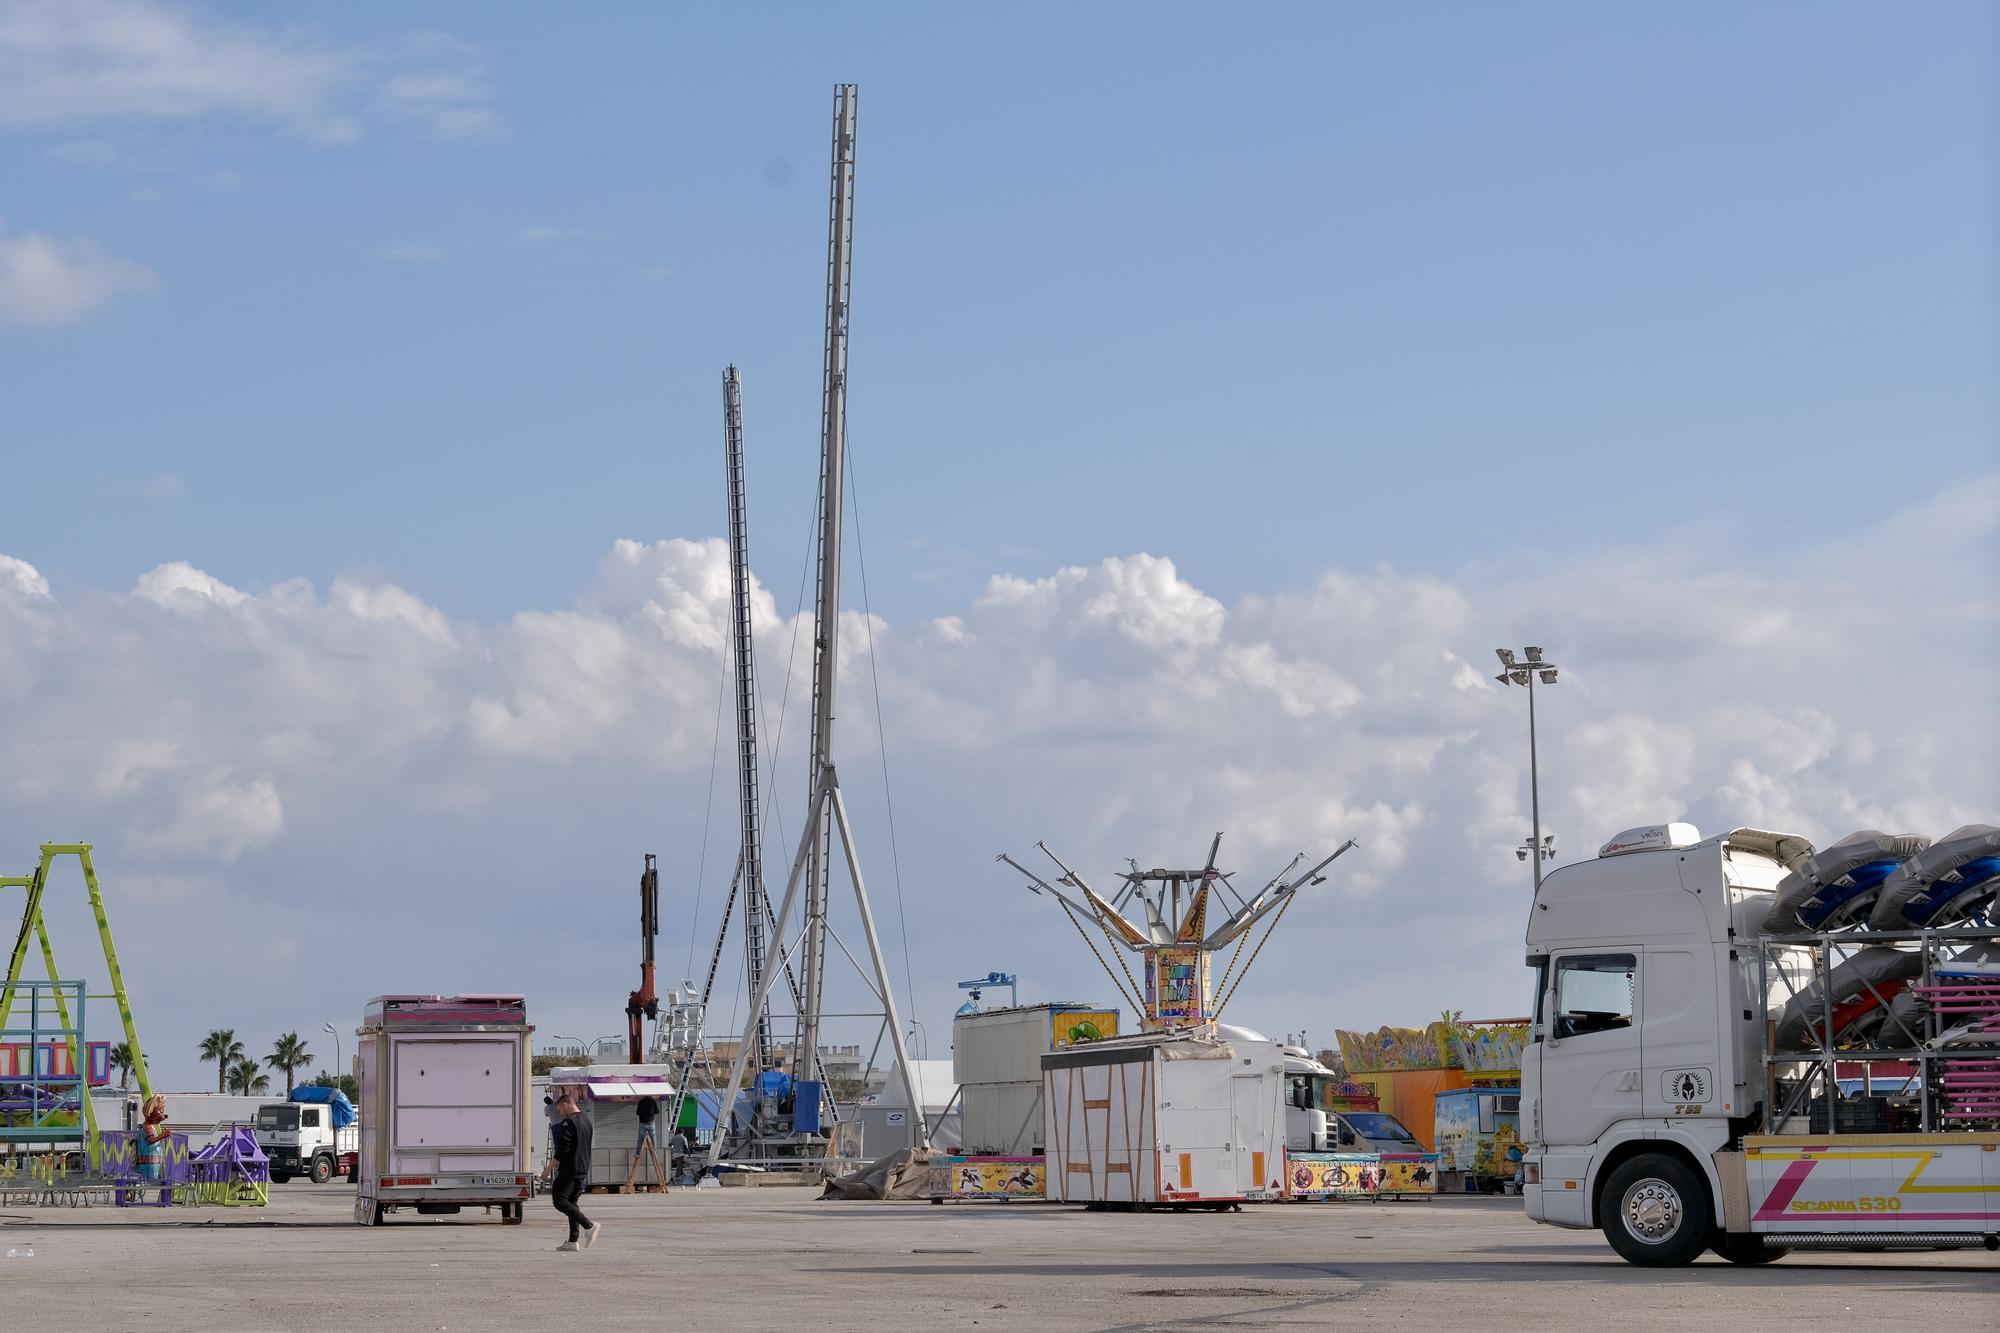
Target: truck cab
<point x="1306" y="1126"/>
<point x="1310" y="1126"/>
<point x="1647" y="1021"/>
<point x="301" y="1139"/>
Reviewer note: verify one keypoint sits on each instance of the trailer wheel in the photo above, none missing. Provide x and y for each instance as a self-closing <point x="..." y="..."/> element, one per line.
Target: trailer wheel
<point x="1747" y="1250"/>
<point x="322" y="1170"/>
<point x="1655" y="1211"/>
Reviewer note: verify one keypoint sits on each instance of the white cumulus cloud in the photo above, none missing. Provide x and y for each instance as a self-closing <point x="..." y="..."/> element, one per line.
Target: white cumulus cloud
<point x="227" y="739"/>
<point x="21" y="578"/>
<point x="47" y="280"/>
<point x="119" y="62"/>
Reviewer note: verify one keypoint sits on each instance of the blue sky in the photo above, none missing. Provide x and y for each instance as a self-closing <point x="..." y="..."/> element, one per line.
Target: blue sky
<point x="1548" y="307"/>
<point x="1322" y="283"/>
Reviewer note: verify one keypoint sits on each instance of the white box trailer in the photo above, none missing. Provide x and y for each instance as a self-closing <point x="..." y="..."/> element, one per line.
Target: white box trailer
<point x="445" y="1118"/>
<point x="1169" y="1119"/>
<point x="996" y="1057"/>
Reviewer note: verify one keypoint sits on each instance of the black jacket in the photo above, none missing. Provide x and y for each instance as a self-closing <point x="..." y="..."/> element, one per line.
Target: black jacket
<point x="573" y="1146"/>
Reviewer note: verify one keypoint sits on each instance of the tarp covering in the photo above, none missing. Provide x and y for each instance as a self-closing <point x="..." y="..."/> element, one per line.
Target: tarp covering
<point x="903" y="1174"/>
<point x="1943" y="882"/>
<point x="1838" y="884"/>
<point x="343" y="1113"/>
<point x="1784" y="848"/>
<point x="1860" y="987"/>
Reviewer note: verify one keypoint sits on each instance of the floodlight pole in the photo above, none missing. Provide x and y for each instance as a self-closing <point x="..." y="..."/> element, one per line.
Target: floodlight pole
<point x="1534" y="787"/>
<point x="1523" y="672"/>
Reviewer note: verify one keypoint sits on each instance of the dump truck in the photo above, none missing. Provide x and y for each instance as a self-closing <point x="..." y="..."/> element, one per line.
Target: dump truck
<point x="445" y="1121"/>
<point x="1682" y="1089"/>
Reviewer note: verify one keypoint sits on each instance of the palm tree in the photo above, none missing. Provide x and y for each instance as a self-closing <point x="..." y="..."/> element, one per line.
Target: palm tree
<point x="289" y="1054"/>
<point x="246" y="1081"/>
<point x="222" y="1047"/>
<point x="122" y="1061"/>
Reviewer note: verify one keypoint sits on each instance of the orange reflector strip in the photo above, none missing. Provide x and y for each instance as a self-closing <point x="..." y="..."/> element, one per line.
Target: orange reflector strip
<point x="1187" y="1171"/>
<point x="1257" y="1167"/>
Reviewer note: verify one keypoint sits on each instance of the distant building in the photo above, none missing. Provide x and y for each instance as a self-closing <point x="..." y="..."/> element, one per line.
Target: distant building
<point x="840" y="1063"/>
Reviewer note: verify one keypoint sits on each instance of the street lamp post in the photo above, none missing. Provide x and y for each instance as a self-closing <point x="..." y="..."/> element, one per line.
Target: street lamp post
<point x="1523" y="672"/>
<point x="334" y="1032"/>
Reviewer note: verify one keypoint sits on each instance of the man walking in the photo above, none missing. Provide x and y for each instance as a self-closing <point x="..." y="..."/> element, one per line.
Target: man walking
<point x="570" y="1165"/>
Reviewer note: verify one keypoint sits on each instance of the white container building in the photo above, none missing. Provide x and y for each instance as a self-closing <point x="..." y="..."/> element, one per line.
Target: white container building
<point x="996" y="1057"/>
<point x="1175" y="1119"/>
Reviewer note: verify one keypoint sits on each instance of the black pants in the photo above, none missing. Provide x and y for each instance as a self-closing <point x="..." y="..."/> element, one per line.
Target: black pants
<point x="563" y="1195"/>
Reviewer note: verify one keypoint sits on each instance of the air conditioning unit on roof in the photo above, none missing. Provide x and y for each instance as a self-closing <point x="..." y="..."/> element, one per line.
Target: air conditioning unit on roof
<point x="1651" y="838"/>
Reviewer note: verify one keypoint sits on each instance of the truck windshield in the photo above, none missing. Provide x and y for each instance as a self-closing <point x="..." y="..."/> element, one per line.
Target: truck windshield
<point x="278" y="1117"/>
<point x="1379" y="1128"/>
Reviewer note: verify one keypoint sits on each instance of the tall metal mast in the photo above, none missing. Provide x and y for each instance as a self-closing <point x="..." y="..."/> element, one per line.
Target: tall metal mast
<point x="826" y="811"/>
<point x="826" y="609"/>
<point x="751" y="867"/>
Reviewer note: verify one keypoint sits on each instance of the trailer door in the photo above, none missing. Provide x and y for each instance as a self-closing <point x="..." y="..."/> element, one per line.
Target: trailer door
<point x="455" y="1102"/>
<point x="1256" y="1132"/>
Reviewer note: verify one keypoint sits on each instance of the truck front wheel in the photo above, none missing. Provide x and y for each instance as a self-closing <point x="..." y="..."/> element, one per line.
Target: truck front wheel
<point x="1655" y="1211"/>
<point x="322" y="1170"/>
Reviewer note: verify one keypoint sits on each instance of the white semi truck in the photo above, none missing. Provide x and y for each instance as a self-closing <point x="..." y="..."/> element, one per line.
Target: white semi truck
<point x="1682" y="1086"/>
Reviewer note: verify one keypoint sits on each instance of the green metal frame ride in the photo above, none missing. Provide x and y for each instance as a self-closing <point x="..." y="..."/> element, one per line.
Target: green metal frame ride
<point x="33" y="925"/>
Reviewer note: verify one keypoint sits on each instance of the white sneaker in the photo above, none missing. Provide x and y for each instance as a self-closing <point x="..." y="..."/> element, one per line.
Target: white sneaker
<point x="569" y="1246"/>
<point x="590" y="1234"/>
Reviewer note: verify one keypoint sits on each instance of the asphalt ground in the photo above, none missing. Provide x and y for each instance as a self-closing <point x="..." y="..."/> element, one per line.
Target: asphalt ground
<point x="778" y="1259"/>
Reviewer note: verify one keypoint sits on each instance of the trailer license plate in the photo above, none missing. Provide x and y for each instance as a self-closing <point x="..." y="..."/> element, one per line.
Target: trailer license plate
<point x="493" y="1180"/>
